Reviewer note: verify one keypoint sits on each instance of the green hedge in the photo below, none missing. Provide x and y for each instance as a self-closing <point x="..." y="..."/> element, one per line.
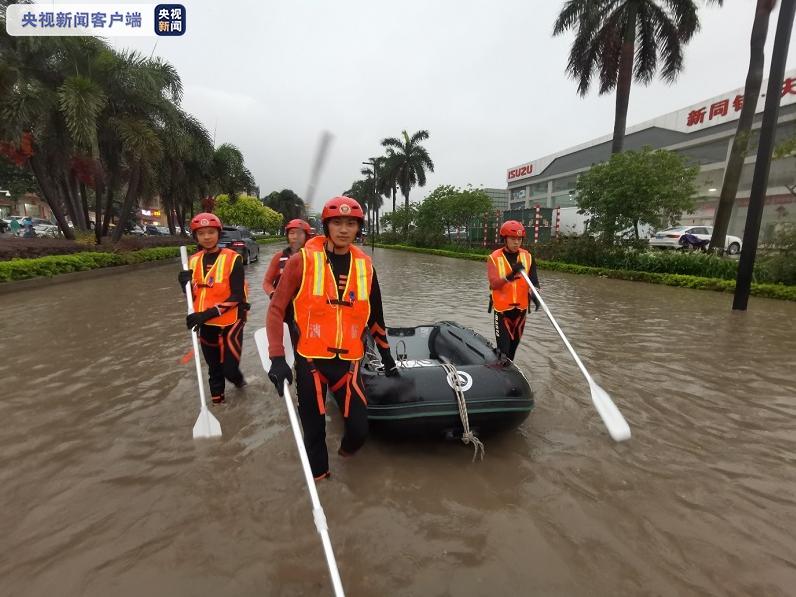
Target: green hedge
<point x="268" y="240"/>
<point x="775" y="291"/>
<point x="22" y="269"/>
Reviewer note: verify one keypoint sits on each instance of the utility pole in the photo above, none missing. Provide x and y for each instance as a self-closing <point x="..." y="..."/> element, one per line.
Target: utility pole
<point x="765" y="148"/>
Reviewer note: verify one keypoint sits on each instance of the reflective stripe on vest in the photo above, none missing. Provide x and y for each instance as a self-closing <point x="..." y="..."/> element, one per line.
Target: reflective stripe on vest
<point x="514" y="294"/>
<point x="331" y="325"/>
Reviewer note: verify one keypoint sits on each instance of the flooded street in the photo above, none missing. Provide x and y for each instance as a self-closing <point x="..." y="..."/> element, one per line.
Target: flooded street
<point x="105" y="492"/>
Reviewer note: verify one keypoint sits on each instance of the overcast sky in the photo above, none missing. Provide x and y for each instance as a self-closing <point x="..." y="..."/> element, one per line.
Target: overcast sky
<point x="486" y="79"/>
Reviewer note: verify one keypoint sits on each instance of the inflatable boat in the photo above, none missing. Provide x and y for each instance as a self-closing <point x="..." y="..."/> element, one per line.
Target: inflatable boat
<point x="434" y="362"/>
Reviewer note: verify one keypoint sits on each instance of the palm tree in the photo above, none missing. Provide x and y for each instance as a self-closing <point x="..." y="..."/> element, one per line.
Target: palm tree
<point x="287" y="203"/>
<point x="408" y="163"/>
<point x="622" y="40"/>
<point x="740" y="143"/>
<point x="388" y="183"/>
<point x="230" y="175"/>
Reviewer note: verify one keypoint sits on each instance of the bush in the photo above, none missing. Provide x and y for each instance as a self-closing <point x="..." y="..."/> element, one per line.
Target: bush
<point x="28" y="248"/>
<point x="776" y="291"/>
<point x="22" y="269"/>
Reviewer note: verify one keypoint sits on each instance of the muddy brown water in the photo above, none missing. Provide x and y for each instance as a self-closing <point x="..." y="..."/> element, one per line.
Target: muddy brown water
<point x="104" y="492"/>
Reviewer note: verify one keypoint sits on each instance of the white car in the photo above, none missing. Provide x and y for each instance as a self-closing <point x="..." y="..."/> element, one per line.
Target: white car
<point x="670" y="238"/>
<point x="49" y="230"/>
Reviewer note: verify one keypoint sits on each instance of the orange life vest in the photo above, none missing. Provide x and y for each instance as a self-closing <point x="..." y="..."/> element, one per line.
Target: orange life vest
<point x="514" y="294"/>
<point x="212" y="288"/>
<point x="328" y="326"/>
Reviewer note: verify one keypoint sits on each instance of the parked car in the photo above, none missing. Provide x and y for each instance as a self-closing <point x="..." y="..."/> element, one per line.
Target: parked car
<point x="670" y="238"/>
<point x="48" y="230"/>
<point x="164" y="230"/>
<point x="152" y="230"/>
<point x="240" y="239"/>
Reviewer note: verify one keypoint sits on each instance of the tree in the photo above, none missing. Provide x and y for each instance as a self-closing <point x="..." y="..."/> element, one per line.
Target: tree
<point x="230" y="174"/>
<point x="247" y="211"/>
<point x="99" y="126"/>
<point x="622" y="40"/>
<point x="401" y="218"/>
<point x="740" y="143"/>
<point x="16" y="180"/>
<point x="408" y="163"/>
<point x="636" y="187"/>
<point x="287" y="203"/>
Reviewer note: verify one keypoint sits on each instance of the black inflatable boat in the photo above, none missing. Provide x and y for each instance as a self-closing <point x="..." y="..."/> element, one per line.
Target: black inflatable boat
<point x="422" y="400"/>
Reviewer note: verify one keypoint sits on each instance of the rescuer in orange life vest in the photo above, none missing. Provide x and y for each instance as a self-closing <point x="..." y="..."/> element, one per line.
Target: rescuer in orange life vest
<point x="219" y="302"/>
<point x="297" y="232"/>
<point x="336" y="299"/>
<point x="510" y="292"/>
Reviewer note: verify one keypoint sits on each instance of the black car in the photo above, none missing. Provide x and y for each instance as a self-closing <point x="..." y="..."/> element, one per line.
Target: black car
<point x="240" y="239"/>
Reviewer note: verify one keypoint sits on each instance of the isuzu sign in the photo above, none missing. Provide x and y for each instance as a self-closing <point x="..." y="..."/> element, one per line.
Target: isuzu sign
<point x="520" y="172"/>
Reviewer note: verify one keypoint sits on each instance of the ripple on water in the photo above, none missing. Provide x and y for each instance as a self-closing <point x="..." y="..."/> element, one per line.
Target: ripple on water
<point x="104" y="490"/>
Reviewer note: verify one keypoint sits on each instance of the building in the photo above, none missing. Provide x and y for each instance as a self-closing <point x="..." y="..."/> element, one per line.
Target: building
<point x="703" y="133"/>
<point x="27" y="204"/>
<point x="499" y="197"/>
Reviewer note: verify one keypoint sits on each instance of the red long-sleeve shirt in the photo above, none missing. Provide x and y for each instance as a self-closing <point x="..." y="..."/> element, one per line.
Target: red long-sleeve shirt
<point x="274" y="271"/>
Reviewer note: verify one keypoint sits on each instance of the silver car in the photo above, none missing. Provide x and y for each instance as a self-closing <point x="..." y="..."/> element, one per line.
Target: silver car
<point x="670" y="238"/>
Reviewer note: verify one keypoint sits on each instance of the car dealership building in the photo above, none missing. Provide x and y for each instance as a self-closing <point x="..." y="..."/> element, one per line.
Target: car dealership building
<point x="703" y="133"/>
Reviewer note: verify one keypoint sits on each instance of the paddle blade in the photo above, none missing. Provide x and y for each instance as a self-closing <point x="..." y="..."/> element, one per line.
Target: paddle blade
<point x="609" y="413"/>
<point x="207" y="426"/>
<point x="261" y="340"/>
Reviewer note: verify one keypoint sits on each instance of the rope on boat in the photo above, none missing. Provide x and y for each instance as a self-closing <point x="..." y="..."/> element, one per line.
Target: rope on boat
<point x="468" y="437"/>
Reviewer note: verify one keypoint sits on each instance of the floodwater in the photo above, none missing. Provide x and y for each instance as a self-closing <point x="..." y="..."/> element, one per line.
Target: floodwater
<point x="104" y="491"/>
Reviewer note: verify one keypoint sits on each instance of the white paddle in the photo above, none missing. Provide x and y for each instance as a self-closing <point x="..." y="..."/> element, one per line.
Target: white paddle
<point x="261" y="339"/>
<point x="206" y="425"/>
<point x="613" y="419"/>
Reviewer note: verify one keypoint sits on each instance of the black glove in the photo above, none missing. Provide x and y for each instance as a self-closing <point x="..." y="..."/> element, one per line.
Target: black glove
<point x="535" y="301"/>
<point x="515" y="269"/>
<point x="194" y="320"/>
<point x="184" y="277"/>
<point x="279" y="373"/>
<point x="390" y="368"/>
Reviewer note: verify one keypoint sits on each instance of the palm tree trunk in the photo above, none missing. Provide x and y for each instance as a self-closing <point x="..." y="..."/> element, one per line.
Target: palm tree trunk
<point x="406" y="216"/>
<point x="99" y="192"/>
<point x="84" y="203"/>
<point x="106" y="218"/>
<point x="50" y="192"/>
<point x="67" y="200"/>
<point x="754" y="80"/>
<point x="624" y="81"/>
<point x="130" y="197"/>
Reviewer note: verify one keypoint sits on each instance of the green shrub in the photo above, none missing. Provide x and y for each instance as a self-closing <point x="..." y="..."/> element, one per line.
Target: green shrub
<point x="776" y="291"/>
<point x="52" y="265"/>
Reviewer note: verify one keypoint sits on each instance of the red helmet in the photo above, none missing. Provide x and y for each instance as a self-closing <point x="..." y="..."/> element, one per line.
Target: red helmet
<point x="298" y="224"/>
<point x="205" y="220"/>
<point x="342" y="206"/>
<point x="512" y="228"/>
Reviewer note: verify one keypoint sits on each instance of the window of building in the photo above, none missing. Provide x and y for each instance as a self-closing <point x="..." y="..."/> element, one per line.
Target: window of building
<point x="566" y="183"/>
<point x="517" y="194"/>
<point x="540" y="188"/>
<point x="708" y="153"/>
<point x="782" y="173"/>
